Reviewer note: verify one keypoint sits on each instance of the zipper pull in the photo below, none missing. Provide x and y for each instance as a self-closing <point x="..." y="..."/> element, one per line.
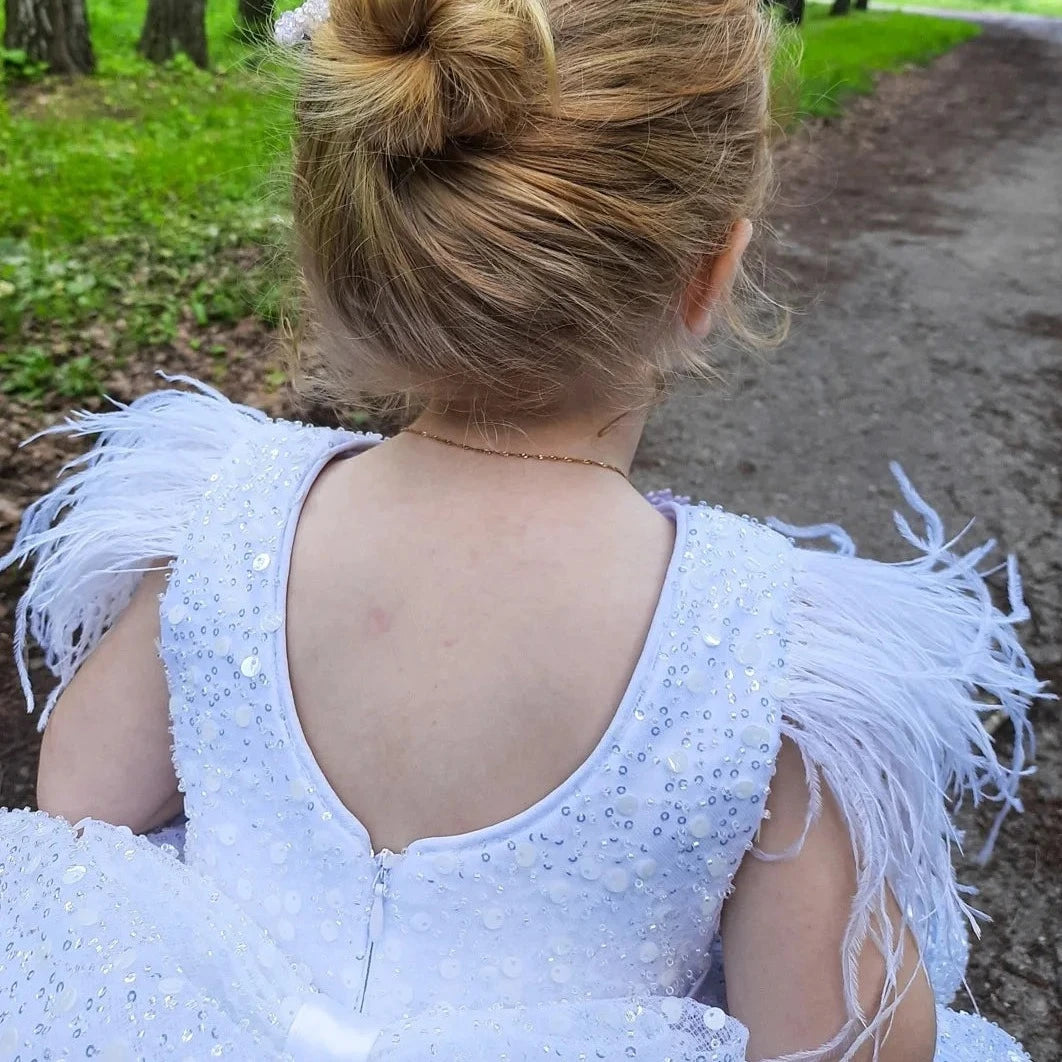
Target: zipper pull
<point x="376" y="920"/>
<point x="379" y="892"/>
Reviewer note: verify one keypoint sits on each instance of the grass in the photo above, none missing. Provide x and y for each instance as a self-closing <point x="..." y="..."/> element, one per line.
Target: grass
<point x="843" y="56"/>
<point x="142" y="200"/>
<point x="145" y="203"/>
<point x="1051" y="8"/>
<point x="137" y="144"/>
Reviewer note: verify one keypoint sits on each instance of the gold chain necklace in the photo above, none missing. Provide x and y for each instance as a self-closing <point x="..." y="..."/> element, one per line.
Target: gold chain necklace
<point x="512" y="453"/>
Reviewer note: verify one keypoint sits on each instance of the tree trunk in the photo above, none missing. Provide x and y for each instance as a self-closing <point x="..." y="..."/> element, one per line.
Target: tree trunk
<point x="55" y="32"/>
<point x="861" y="5"/>
<point x="256" y="18"/>
<point x="794" y="9"/>
<point x="174" y="26"/>
<point x="841" y="7"/>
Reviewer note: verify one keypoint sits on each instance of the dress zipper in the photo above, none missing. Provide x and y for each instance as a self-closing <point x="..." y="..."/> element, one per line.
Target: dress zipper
<point x="376" y="916"/>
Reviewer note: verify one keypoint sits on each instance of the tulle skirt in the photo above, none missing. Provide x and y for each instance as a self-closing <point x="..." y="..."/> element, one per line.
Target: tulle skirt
<point x="114" y="949"/>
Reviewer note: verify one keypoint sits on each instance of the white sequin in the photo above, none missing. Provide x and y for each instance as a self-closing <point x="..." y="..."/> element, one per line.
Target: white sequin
<point x="780" y="688"/>
<point x="699" y="826"/>
<point x="714" y="1019"/>
<point x="717" y="868"/>
<point x="754" y="735"/>
<point x="65" y="1000"/>
<point x="559" y="891"/>
<point x="696" y="682"/>
<point x="445" y="862"/>
<point x="751" y="653"/>
<point x="678" y="761"/>
<point x="672" y="1009"/>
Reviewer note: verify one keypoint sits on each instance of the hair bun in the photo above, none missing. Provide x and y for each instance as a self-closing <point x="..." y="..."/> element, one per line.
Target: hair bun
<point x="412" y="76"/>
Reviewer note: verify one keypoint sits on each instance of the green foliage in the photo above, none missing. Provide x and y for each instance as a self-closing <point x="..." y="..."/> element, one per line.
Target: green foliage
<point x="147" y="204"/>
<point x="1028" y="7"/>
<point x="15" y="65"/>
<point x="138" y="203"/>
<point x="34" y="373"/>
<point x="141" y="288"/>
<point x="139" y="149"/>
<point x="842" y="56"/>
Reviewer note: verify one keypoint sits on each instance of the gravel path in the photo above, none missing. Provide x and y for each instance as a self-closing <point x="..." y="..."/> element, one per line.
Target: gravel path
<point x="922" y="233"/>
<point x="1040" y="26"/>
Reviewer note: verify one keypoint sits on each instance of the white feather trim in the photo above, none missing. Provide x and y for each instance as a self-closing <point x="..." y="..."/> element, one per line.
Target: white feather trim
<point x="117" y="511"/>
<point x="891" y="671"/>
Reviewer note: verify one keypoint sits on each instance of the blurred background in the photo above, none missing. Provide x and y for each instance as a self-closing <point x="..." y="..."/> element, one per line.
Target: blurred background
<point x="144" y="225"/>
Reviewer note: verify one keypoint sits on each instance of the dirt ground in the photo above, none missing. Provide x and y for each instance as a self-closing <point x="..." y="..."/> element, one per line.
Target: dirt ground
<point x="921" y="245"/>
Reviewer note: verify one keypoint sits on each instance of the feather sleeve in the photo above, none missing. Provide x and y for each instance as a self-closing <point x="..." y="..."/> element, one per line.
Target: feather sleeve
<point x="892" y="672"/>
<point x="116" y="512"/>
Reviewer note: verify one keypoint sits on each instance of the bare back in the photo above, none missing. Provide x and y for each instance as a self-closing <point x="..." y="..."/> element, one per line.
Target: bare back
<point x="458" y="646"/>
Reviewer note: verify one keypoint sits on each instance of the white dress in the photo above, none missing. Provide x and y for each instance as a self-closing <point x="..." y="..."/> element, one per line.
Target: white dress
<point x="584" y="927"/>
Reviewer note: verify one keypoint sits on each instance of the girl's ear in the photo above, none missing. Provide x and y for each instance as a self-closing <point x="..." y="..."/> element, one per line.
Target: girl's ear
<point x="713" y="280"/>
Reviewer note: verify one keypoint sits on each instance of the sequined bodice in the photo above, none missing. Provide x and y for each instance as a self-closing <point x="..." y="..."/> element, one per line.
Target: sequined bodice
<point x="611" y="883"/>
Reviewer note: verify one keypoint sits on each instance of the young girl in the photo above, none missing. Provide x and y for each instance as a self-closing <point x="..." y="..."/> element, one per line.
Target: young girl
<point x="484" y="755"/>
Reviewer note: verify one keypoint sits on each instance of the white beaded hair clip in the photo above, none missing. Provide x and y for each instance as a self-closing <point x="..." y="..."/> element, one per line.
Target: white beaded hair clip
<point x="294" y="27"/>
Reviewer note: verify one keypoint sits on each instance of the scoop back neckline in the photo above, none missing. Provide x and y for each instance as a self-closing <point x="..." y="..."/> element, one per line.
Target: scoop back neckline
<point x="504" y="829"/>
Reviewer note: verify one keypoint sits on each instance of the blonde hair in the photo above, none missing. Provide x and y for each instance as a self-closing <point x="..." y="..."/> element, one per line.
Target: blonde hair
<point x="498" y="200"/>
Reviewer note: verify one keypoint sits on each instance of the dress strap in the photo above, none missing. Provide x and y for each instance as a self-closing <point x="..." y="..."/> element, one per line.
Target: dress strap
<point x="223" y="628"/>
